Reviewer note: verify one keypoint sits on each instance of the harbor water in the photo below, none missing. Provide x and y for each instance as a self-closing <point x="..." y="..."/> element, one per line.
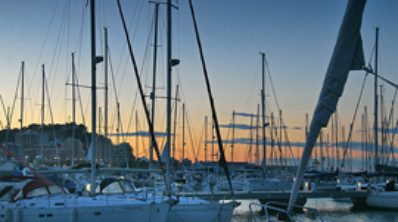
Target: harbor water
<point x="331" y="210"/>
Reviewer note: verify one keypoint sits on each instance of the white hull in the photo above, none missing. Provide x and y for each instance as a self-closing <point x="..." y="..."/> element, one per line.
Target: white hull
<point x="68" y="208"/>
<point x="383" y="199"/>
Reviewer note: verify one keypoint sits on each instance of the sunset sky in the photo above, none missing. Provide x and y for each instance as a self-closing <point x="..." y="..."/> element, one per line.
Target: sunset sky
<point x="297" y="36"/>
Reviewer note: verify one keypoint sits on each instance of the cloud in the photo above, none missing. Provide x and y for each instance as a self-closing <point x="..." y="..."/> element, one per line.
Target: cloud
<point x="246" y="114"/>
<point x="247" y="127"/>
<point x="140" y="133"/>
<point x="239" y="126"/>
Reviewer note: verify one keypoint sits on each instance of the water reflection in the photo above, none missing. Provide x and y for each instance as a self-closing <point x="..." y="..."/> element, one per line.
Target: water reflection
<point x="340" y="210"/>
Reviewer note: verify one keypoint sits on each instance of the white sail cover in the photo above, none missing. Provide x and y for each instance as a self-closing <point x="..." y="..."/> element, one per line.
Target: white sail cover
<point x="347" y="55"/>
<point x="166" y="153"/>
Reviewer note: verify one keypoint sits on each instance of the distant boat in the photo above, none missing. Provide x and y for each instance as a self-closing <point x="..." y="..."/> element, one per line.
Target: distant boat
<point x="383" y="198"/>
<point x="7" y="168"/>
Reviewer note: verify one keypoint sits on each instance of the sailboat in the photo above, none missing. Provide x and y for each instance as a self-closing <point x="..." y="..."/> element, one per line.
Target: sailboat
<point x="347" y="55"/>
<point x="186" y="209"/>
<point x="379" y="197"/>
<point x="42" y="200"/>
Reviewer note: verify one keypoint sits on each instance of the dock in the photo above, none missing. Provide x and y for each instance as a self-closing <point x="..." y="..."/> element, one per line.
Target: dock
<point x="280" y="196"/>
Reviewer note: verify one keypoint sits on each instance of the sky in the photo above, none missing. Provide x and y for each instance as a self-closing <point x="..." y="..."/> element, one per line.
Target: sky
<point x="297" y="36"/>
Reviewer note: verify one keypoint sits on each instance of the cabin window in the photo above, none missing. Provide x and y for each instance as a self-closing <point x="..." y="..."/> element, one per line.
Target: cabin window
<point x="55" y="189"/>
<point x="113" y="188"/>
<point x="127" y="187"/>
<point x="37" y="192"/>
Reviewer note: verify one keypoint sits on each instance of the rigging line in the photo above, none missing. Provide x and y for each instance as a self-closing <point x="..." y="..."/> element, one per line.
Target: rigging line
<point x="114" y="89"/>
<point x="252" y="87"/>
<point x="141" y="73"/>
<point x="4" y="110"/>
<point x="99" y="26"/>
<point x="43" y="45"/>
<point x="198" y="149"/>
<point x="278" y="107"/>
<point x="395" y="128"/>
<point x="81" y="107"/>
<point x="223" y="162"/>
<point x="143" y="100"/>
<point x="353" y="120"/>
<point x="15" y="97"/>
<point x="10" y="115"/>
<point x="195" y="154"/>
<point x="58" y="46"/>
<point x="79" y="42"/>
<point x="272" y="85"/>
<point x="53" y="127"/>
<point x="136" y="16"/>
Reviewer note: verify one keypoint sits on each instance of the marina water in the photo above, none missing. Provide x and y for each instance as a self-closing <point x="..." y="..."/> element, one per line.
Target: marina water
<point x="331" y="210"/>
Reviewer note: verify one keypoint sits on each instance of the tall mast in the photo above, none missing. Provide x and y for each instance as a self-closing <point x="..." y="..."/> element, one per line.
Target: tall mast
<point x="175" y="123"/>
<point x="99" y="151"/>
<point x="376" y="99"/>
<point x="93" y="98"/>
<point x="153" y="95"/>
<point x="233" y="136"/>
<point x="136" y="138"/>
<point x="168" y="105"/>
<point x="212" y="141"/>
<point x="257" y="123"/>
<point x="206" y="139"/>
<point x="280" y="136"/>
<point x="106" y="148"/>
<point x="42" y="113"/>
<point x="118" y="123"/>
<point x="183" y="133"/>
<point x="263" y="113"/>
<point x="73" y="111"/>
<point x="22" y="91"/>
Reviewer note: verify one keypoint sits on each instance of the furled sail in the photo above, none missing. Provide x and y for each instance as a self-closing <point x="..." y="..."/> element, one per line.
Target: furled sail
<point x="347" y="55"/>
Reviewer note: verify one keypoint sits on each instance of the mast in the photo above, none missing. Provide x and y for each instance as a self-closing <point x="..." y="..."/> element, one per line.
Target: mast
<point x="183" y="134"/>
<point x="136" y="138"/>
<point x="263" y="113"/>
<point x="233" y="136"/>
<point x="175" y="123"/>
<point x="153" y="95"/>
<point x="206" y="139"/>
<point x="106" y="148"/>
<point x="257" y="123"/>
<point x="22" y="92"/>
<point x="168" y="105"/>
<point x="280" y="137"/>
<point x="99" y="152"/>
<point x="73" y="111"/>
<point x="42" y="113"/>
<point x="93" y="98"/>
<point x="118" y="123"/>
<point x="272" y="141"/>
<point x="376" y="99"/>
<point x="212" y="141"/>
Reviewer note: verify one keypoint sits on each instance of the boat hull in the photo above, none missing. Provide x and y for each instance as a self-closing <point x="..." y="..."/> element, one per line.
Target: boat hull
<point x="80" y="212"/>
<point x="383" y="200"/>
